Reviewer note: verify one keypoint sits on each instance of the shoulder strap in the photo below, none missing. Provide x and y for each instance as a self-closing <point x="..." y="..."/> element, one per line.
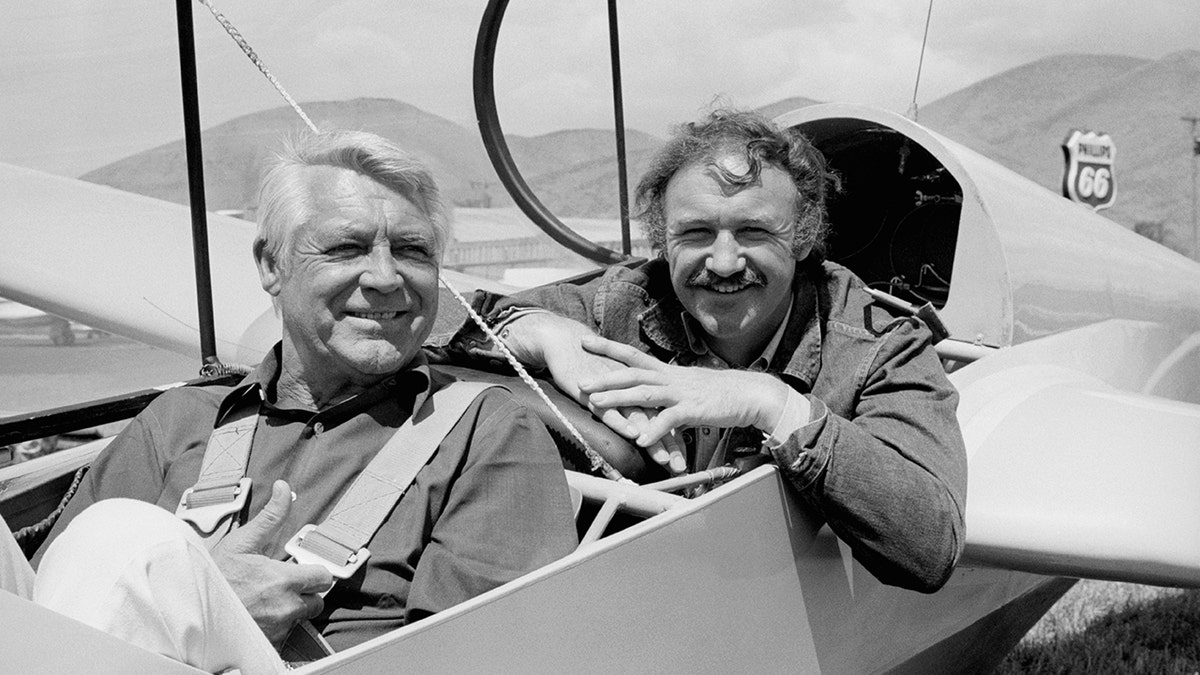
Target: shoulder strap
<point x="339" y="543"/>
<point x="221" y="490"/>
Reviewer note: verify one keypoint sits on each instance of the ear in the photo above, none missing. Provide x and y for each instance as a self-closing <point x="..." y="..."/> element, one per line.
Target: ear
<point x="269" y="273"/>
<point x="803" y="245"/>
<point x="799" y="253"/>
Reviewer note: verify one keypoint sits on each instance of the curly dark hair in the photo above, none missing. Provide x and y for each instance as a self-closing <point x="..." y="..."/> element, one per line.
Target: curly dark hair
<point x="727" y="131"/>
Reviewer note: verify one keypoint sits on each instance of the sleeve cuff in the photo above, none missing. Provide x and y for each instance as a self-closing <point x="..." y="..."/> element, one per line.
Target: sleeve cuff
<point x="499" y="324"/>
<point x="795" y="416"/>
<point x="511" y="314"/>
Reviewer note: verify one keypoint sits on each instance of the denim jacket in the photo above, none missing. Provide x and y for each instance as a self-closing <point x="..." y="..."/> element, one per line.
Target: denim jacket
<point x="882" y="461"/>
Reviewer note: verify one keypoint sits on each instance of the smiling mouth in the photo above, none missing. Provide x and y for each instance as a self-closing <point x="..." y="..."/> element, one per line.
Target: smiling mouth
<point x="726" y="285"/>
<point x="726" y="288"/>
<point x="374" y="316"/>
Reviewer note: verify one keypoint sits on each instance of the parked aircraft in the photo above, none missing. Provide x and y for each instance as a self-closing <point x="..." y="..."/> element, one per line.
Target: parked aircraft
<point x="1075" y="345"/>
<point x="16" y="318"/>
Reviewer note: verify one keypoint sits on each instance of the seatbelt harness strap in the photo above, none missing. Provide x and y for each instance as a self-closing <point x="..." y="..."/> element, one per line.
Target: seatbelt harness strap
<point x="212" y="504"/>
<point x="339" y="543"/>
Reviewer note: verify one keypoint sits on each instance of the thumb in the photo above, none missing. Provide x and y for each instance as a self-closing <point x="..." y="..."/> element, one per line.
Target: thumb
<point x="260" y="531"/>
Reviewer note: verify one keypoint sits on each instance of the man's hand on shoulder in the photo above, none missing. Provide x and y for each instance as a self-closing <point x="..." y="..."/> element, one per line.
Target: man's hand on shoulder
<point x="278" y="594"/>
<point x="683" y="396"/>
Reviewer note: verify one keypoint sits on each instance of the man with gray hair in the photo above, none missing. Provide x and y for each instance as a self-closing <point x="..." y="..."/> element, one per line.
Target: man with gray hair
<point x="250" y="480"/>
<point x="740" y="344"/>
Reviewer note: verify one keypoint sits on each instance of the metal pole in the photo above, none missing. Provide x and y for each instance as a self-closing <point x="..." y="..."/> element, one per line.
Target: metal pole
<point x="619" y="114"/>
<point x="1195" y="154"/>
<point x="195" y="163"/>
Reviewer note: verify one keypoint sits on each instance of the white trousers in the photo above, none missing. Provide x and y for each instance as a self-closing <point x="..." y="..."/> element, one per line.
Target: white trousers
<point x="135" y="571"/>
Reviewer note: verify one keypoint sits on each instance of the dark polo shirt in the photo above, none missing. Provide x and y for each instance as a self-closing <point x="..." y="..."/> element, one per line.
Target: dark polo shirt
<point x="490" y="506"/>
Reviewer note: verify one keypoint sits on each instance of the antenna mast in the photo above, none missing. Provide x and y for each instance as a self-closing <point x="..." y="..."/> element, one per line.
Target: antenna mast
<point x="912" y="110"/>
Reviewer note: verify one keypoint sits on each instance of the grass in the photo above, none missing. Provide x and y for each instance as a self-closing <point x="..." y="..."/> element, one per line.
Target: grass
<point x="1119" y="628"/>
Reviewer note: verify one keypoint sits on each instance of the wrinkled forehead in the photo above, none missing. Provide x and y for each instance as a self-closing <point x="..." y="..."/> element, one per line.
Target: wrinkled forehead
<point x="334" y="201"/>
<point x="337" y="186"/>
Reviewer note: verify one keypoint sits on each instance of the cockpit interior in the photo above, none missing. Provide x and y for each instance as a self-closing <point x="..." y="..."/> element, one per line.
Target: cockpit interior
<point x="894" y="221"/>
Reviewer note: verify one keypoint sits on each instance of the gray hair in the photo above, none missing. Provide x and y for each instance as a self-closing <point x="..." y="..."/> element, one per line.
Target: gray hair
<point x="284" y="202"/>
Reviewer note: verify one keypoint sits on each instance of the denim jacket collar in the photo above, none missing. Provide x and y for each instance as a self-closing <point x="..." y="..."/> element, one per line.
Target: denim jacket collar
<point x="662" y="321"/>
<point x="799" y="353"/>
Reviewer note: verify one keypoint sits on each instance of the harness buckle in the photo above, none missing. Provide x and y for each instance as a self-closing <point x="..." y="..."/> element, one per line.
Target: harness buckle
<point x="310" y="546"/>
<point x="207" y="507"/>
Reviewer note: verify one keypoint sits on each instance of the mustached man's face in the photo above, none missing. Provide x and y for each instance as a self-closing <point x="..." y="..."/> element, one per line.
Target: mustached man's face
<point x="729" y="249"/>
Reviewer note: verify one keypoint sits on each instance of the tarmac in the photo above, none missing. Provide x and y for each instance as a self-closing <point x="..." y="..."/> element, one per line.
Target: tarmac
<point x="36" y="374"/>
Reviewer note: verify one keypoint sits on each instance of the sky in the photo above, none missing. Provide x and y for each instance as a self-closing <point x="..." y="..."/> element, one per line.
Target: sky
<point x="84" y="82"/>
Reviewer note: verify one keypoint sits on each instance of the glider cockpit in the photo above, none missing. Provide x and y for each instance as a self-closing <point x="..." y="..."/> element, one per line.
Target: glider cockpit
<point x="895" y="222"/>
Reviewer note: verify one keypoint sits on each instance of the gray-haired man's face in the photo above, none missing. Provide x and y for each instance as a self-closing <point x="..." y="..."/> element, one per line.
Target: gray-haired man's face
<point x="358" y="287"/>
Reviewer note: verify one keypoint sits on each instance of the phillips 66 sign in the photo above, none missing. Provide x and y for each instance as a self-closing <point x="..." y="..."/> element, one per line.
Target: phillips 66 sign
<point x="1088" y="175"/>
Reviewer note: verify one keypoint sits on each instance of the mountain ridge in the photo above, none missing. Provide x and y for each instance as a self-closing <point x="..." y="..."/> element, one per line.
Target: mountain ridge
<point x="1138" y="102"/>
<point x="1018" y="117"/>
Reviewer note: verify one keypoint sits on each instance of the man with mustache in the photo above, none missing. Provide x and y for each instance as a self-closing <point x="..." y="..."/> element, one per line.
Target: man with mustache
<point x="739" y="344"/>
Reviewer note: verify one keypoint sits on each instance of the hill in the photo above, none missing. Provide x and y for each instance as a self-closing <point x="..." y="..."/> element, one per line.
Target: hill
<point x="234" y="151"/>
<point x="574" y="173"/>
<point x="1020" y="118"/>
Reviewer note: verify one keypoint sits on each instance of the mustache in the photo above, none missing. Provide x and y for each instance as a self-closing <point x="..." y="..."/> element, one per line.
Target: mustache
<point x="704" y="278"/>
